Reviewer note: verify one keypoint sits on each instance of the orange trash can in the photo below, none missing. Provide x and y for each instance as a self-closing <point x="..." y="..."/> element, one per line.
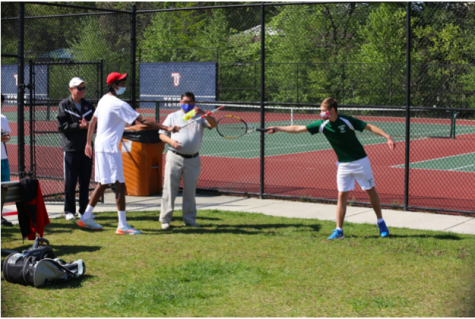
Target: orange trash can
<point x="142" y="152"/>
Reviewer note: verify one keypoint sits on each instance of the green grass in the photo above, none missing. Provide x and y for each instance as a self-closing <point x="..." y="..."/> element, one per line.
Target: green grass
<point x="250" y="265"/>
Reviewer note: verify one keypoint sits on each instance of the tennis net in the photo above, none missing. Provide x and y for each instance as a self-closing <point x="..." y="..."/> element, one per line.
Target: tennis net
<point x="429" y="123"/>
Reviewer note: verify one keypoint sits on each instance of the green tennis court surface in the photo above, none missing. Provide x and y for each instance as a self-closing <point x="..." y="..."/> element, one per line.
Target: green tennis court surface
<point x="248" y="146"/>
<point x="455" y="163"/>
<point x="284" y="143"/>
<point x="12" y="117"/>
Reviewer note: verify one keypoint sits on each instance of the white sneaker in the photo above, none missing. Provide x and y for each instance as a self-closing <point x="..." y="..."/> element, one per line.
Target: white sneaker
<point x="127" y="230"/>
<point x="80" y="215"/>
<point x="165" y="226"/>
<point x="89" y="223"/>
<point x="192" y="224"/>
<point x="69" y="216"/>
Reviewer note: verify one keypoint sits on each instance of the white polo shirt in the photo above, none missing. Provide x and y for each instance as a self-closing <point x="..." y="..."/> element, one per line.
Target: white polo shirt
<point x="189" y="137"/>
<point x="112" y="113"/>
<point x="5" y="129"/>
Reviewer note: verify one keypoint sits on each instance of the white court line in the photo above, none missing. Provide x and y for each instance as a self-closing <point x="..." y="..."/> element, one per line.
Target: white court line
<point x="272" y="148"/>
<point x="365" y="139"/>
<point x="435" y="159"/>
<point x="453" y="169"/>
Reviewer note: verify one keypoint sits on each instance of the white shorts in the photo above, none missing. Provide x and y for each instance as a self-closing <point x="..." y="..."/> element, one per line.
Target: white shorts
<point x="108" y="168"/>
<point x="359" y="170"/>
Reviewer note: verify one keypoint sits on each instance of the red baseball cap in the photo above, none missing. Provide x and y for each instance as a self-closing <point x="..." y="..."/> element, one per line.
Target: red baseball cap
<point x="115" y="76"/>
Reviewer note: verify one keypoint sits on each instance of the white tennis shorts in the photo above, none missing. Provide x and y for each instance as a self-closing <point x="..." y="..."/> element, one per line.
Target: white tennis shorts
<point x="109" y="168"/>
<point x="359" y="170"/>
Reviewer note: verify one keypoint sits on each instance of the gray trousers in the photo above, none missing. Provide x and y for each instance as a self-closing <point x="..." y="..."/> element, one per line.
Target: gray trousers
<point x="176" y="167"/>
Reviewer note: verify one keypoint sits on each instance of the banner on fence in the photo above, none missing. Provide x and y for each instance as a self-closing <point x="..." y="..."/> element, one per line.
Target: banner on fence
<point x="10" y="82"/>
<point x="168" y="81"/>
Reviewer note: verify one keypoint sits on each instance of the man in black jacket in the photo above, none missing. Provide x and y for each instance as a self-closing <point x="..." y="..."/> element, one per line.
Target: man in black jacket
<point x="74" y="114"/>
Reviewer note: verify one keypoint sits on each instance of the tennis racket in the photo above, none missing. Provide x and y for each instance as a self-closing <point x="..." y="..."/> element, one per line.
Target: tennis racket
<point x="231" y="127"/>
<point x="202" y="116"/>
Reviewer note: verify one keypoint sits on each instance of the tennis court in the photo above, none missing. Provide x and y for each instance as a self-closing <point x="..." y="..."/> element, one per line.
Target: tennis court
<point x="285" y="144"/>
<point x="301" y="164"/>
<point x="455" y="163"/>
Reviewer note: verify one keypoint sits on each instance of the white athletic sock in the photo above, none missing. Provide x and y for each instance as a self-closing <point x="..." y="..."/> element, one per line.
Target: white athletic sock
<point x="380" y="220"/>
<point x="122" y="219"/>
<point x="339" y="228"/>
<point x="88" y="212"/>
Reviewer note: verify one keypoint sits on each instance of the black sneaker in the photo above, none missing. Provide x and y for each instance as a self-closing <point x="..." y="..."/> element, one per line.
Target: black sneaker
<point x="6" y="223"/>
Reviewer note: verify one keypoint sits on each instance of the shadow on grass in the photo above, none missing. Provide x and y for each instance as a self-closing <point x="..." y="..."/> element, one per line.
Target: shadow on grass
<point x="9" y="232"/>
<point x="61" y="250"/>
<point x="247" y="229"/>
<point x="153" y="218"/>
<point x="442" y="237"/>
<point x="73" y="283"/>
<point x="56" y="229"/>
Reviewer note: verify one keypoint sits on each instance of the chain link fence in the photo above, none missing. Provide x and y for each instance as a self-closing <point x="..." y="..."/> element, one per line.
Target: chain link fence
<point x="270" y="64"/>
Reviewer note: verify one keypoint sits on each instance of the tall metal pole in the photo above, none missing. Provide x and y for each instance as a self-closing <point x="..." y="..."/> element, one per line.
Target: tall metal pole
<point x="263" y="52"/>
<point x="101" y="79"/>
<point x="21" y="91"/>
<point x="216" y="84"/>
<point x="32" y="120"/>
<point x="408" y="105"/>
<point x="297" y="83"/>
<point x="133" y="63"/>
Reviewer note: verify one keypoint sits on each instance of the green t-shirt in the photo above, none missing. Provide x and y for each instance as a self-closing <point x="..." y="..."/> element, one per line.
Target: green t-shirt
<point x="341" y="137"/>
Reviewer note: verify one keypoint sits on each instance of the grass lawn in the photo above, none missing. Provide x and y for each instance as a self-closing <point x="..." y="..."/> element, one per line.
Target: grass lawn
<point x="250" y="265"/>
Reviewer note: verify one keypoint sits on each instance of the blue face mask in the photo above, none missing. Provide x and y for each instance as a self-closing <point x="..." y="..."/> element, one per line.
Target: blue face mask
<point x="120" y="90"/>
<point x="187" y="107"/>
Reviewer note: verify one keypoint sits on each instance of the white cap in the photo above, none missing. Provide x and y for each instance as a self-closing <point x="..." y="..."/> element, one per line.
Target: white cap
<point x="75" y="82"/>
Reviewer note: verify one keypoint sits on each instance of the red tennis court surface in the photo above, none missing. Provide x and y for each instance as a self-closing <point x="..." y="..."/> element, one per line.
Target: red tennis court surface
<point x="309" y="174"/>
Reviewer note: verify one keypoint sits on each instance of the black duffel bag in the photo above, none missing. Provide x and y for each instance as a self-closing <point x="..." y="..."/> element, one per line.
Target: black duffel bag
<point x="38" y="267"/>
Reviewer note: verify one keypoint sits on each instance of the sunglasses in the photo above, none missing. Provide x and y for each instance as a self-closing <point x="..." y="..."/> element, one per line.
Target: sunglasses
<point x="80" y="88"/>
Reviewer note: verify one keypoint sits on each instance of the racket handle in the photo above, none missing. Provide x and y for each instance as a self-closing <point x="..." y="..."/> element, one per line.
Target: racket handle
<point x="262" y="129"/>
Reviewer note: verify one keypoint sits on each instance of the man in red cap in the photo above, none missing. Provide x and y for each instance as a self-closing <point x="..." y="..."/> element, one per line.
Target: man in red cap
<point x="111" y="115"/>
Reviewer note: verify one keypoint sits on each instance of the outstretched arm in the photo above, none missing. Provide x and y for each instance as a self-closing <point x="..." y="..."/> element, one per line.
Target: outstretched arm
<point x="151" y="123"/>
<point x="287" y="129"/>
<point x="90" y="133"/>
<point x="376" y="130"/>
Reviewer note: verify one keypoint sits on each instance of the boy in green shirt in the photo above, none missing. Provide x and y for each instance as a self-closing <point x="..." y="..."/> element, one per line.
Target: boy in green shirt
<point x="353" y="163"/>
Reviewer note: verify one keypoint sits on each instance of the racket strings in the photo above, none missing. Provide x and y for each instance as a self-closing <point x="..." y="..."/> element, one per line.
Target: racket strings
<point x="231" y="127"/>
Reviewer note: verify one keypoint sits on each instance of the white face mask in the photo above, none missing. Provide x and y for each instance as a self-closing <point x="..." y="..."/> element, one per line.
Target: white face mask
<point x="120" y="90"/>
<point x="325" y="115"/>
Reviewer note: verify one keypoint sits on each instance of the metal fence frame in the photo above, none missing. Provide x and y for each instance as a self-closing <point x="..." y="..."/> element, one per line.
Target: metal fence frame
<point x="262" y="103"/>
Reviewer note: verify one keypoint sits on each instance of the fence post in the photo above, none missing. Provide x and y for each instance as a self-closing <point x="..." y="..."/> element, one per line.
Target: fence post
<point x="133" y="54"/>
<point x="408" y="103"/>
<point x="31" y="88"/>
<point x="297" y="82"/>
<point x="263" y="37"/>
<point x="21" y="91"/>
<point x="101" y="79"/>
<point x="216" y="90"/>
<point x="157" y="112"/>
<point x="452" y="131"/>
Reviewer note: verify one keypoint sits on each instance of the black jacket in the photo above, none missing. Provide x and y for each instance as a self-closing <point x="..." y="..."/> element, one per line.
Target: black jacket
<point x="74" y="139"/>
<point x="32" y="215"/>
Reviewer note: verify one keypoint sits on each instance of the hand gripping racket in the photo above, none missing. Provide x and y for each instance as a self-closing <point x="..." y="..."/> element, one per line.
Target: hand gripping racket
<point x="231" y="127"/>
<point x="202" y="116"/>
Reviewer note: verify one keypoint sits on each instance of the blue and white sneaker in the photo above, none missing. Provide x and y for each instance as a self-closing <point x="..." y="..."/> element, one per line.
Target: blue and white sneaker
<point x="383" y="230"/>
<point x="337" y="234"/>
